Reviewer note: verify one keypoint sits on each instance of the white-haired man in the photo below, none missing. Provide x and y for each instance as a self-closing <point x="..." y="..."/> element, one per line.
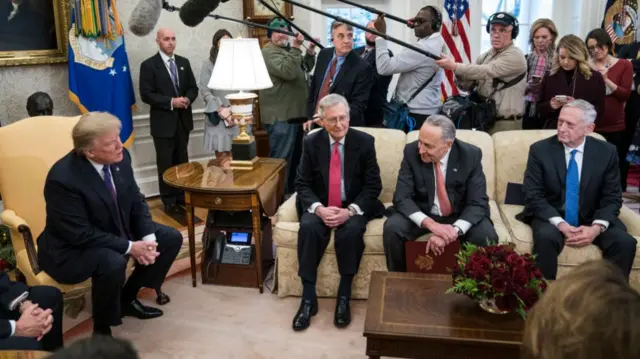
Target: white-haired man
<point x="573" y="195"/>
<point x="338" y="185"/>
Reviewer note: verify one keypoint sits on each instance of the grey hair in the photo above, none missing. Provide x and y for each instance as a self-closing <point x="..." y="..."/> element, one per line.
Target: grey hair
<point x="91" y="126"/>
<point x="447" y="126"/>
<point x="589" y="112"/>
<point x="336" y="24"/>
<point x="330" y="101"/>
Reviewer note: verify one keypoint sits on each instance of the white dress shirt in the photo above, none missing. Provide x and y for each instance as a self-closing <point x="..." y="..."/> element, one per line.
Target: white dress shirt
<point x="343" y="195"/>
<point x="165" y="60"/>
<point x="579" y="156"/>
<point x="418" y="217"/>
<point x="100" y="168"/>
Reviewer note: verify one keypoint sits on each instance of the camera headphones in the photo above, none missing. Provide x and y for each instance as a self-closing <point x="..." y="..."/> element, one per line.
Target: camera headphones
<point x="272" y="21"/>
<point x="437" y="24"/>
<point x="506" y="19"/>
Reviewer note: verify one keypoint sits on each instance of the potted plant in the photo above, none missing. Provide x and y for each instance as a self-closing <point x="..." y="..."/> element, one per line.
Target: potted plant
<point x="499" y="279"/>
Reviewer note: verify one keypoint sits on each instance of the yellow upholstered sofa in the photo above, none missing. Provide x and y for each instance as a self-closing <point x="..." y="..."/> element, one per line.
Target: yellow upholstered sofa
<point x="511" y="153"/>
<point x="389" y="151"/>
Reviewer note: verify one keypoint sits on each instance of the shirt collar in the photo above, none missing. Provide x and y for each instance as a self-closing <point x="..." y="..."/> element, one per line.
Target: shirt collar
<point x="98" y="166"/>
<point x="580" y="148"/>
<point x="165" y="57"/>
<point x="332" y="141"/>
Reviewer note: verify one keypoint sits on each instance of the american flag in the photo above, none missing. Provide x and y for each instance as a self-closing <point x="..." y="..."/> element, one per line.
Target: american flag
<point x="612" y="33"/>
<point x="455" y="27"/>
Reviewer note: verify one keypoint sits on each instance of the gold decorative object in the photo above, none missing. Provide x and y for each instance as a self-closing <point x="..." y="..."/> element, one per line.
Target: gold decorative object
<point x="61" y="10"/>
<point x="424" y="262"/>
<point x="489" y="306"/>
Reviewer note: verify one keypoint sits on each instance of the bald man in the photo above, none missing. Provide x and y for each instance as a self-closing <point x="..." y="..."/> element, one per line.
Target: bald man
<point x="168" y="86"/>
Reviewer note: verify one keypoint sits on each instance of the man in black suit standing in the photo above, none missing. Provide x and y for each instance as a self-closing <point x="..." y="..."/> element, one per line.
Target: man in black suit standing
<point x="573" y="195"/>
<point x="338" y="185"/>
<point x="30" y="318"/>
<point x="168" y="86"/>
<point x="441" y="190"/>
<point x="341" y="71"/>
<point x="374" y="115"/>
<point x="97" y="219"/>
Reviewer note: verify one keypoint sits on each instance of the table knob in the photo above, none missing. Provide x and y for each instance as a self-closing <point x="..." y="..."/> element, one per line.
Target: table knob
<point x="217" y="200"/>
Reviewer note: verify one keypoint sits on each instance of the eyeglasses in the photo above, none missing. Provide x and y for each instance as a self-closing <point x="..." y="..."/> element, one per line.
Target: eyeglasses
<point x="334" y="121"/>
<point x="500" y="31"/>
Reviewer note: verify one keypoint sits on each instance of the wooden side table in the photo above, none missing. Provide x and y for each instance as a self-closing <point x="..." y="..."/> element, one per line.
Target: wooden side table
<point x="260" y="190"/>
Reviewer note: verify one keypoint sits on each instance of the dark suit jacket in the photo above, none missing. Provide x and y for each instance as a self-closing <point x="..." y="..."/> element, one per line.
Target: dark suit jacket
<point x="361" y="172"/>
<point x="353" y="81"/>
<point x="632" y="108"/>
<point x="465" y="182"/>
<point x="591" y="90"/>
<point x="544" y="182"/>
<point x="374" y="115"/>
<point x="8" y="292"/>
<point x="156" y="90"/>
<point x="81" y="214"/>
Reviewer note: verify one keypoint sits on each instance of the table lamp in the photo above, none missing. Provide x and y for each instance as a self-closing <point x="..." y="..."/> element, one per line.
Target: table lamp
<point x="240" y="67"/>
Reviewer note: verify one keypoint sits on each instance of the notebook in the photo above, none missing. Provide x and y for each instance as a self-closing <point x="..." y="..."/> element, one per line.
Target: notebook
<point x="419" y="262"/>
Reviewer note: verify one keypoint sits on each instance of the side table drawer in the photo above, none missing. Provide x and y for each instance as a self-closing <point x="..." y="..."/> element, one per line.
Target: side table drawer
<point x="227" y="202"/>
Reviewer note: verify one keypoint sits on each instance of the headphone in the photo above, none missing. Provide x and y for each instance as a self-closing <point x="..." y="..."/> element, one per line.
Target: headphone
<point x="269" y="31"/>
<point x="514" y="23"/>
<point x="435" y="26"/>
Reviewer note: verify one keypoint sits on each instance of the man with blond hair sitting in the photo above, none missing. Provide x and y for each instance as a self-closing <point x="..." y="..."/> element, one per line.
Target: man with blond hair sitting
<point x="97" y="218"/>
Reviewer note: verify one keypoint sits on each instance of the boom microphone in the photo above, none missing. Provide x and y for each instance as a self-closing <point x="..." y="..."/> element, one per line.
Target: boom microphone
<point x="193" y="12"/>
<point x="145" y="16"/>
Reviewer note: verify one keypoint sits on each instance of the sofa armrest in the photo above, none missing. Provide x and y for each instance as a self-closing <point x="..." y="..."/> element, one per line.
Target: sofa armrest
<point x="630" y="219"/>
<point x="21" y="233"/>
<point x="287" y="211"/>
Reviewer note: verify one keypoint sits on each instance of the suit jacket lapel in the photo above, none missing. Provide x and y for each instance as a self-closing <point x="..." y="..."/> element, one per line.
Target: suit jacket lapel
<point x="587" y="168"/>
<point x="350" y="160"/>
<point x="559" y="161"/>
<point x="324" y="59"/>
<point x="97" y="184"/>
<point x="349" y="60"/>
<point x="429" y="180"/>
<point x="324" y="154"/>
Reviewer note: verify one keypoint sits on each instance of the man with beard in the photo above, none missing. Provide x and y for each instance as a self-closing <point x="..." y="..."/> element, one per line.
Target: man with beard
<point x="378" y="98"/>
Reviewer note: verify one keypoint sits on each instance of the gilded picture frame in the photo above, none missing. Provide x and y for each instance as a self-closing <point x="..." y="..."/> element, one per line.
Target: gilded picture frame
<point x="34" y="32"/>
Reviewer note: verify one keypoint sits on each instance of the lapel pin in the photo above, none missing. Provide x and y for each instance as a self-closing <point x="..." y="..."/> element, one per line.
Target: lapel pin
<point x="182" y="69"/>
<point x="117" y="169"/>
<point x="455" y="170"/>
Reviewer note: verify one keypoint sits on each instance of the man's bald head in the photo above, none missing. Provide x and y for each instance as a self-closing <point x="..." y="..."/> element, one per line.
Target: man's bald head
<point x="166" y="40"/>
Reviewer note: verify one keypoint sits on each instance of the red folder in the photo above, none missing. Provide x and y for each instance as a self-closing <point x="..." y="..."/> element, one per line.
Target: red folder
<point x="420" y="262"/>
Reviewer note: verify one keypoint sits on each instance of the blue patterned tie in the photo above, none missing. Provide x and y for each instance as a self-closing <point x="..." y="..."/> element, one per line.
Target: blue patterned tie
<point x="174" y="74"/>
<point x="572" y="191"/>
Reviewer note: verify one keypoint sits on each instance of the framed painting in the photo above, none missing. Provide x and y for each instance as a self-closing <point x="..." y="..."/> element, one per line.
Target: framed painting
<point x="33" y="32"/>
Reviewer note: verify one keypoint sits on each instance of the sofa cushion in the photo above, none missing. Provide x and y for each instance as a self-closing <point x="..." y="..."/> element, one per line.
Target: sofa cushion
<point x="481" y="140"/>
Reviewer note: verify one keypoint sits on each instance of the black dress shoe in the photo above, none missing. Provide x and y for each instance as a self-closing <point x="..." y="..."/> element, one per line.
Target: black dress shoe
<point x="342" y="317"/>
<point x="308" y="308"/>
<point x="136" y="309"/>
<point x="162" y="298"/>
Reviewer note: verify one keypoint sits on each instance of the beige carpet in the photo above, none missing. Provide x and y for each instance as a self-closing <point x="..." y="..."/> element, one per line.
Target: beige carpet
<point x="226" y="322"/>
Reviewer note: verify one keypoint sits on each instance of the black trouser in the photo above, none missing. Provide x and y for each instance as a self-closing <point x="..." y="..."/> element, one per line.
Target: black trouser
<point x="47" y="298"/>
<point x="616" y="245"/>
<point x="619" y="139"/>
<point x="399" y="229"/>
<point x="632" y="115"/>
<point x="106" y="268"/>
<point x="313" y="239"/>
<point x="171" y="151"/>
<point x="530" y="119"/>
<point x="419" y="120"/>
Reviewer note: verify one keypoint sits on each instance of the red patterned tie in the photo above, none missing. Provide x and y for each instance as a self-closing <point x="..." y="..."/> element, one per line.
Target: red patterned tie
<point x="443" y="197"/>
<point x="324" y="90"/>
<point x="335" y="177"/>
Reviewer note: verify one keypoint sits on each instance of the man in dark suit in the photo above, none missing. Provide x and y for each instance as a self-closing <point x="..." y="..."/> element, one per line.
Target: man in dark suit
<point x="341" y="71"/>
<point x="441" y="190"/>
<point x="31" y="318"/>
<point x="97" y="219"/>
<point x="338" y="185"/>
<point x="573" y="195"/>
<point x="374" y="115"/>
<point x="168" y="86"/>
<point x="631" y="52"/>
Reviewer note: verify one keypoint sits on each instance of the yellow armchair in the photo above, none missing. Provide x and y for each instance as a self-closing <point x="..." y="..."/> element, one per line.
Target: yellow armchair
<point x="28" y="149"/>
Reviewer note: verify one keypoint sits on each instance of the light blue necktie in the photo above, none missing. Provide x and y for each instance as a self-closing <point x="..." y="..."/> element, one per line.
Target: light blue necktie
<point x="572" y="191"/>
<point x="174" y="74"/>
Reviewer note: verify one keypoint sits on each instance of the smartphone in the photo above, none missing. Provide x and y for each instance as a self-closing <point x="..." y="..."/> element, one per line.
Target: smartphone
<point x="561" y="98"/>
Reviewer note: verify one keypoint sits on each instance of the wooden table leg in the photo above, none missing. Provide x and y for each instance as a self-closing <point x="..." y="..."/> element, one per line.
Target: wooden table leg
<point x="192" y="236"/>
<point x="257" y="235"/>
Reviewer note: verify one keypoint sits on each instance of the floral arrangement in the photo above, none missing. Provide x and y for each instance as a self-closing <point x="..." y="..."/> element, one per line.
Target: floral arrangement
<point x="498" y="275"/>
<point x="7" y="256"/>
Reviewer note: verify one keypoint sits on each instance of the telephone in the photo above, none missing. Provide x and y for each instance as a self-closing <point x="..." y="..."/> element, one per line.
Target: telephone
<point x="233" y="248"/>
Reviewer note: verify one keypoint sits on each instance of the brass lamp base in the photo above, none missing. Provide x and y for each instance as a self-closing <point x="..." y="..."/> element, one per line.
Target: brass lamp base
<point x="243" y="146"/>
<point x="243" y="153"/>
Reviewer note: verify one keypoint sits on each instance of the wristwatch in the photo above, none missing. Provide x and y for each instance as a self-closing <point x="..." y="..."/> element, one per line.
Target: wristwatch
<point x="460" y="233"/>
<point x="352" y="212"/>
<point x="602" y="227"/>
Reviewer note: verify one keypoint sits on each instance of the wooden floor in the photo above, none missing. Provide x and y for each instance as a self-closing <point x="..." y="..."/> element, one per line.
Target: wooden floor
<point x="157" y="213"/>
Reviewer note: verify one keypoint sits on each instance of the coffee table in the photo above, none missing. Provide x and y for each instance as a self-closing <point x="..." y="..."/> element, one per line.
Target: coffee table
<point x="410" y="316"/>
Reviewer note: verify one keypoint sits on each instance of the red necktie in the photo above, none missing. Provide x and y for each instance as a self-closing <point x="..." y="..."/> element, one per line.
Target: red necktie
<point x="324" y="90"/>
<point x="335" y="177"/>
<point x="443" y="198"/>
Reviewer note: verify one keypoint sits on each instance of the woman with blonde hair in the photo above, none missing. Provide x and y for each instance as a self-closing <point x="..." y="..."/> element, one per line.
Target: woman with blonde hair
<point x="570" y="78"/>
<point x="590" y="313"/>
<point x="542" y="39"/>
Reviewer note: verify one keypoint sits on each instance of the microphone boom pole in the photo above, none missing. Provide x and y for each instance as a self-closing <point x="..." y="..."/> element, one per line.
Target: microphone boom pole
<point x="374" y="11"/>
<point x="171" y="8"/>
<point x="363" y="28"/>
<point x="304" y="33"/>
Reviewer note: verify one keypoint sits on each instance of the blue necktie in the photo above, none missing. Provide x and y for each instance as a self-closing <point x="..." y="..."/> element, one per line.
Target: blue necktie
<point x="572" y="191"/>
<point x="174" y="74"/>
<point x="112" y="191"/>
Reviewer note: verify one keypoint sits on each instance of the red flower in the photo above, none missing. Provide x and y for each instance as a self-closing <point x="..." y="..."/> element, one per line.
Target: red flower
<point x="515" y="260"/>
<point x="520" y="277"/>
<point x="499" y="285"/>
<point x="507" y="302"/>
<point x="529" y="297"/>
